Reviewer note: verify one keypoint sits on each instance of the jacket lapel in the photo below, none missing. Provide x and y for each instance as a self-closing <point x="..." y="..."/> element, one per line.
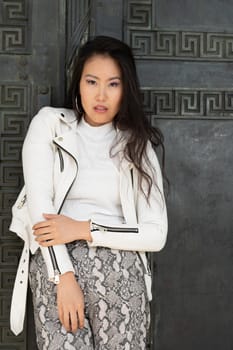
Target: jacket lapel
<point x="68" y="142"/>
<point x="126" y="193"/>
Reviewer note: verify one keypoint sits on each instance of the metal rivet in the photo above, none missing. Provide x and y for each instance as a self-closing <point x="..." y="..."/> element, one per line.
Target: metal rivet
<point x="22" y="271"/>
<point x="44" y="90"/>
<point x="21" y="282"/>
<point x="62" y="114"/>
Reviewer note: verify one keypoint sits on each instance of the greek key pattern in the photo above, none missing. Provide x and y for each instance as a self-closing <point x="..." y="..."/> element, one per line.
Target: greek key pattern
<point x="14" y="97"/>
<point x="14" y="120"/>
<point x="150" y="42"/>
<point x="139" y="14"/>
<point x="14" y="26"/>
<point x="181" y="45"/>
<point x="14" y="10"/>
<point x="188" y="103"/>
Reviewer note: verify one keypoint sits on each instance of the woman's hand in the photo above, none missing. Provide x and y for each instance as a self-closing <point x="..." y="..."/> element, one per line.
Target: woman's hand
<point x="70" y="302"/>
<point x="60" y="229"/>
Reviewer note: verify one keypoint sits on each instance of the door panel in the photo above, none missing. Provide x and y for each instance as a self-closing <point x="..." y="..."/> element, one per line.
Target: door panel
<point x="184" y="59"/>
<point x="31" y="75"/>
<point x="194" y="283"/>
<point x="184" y="55"/>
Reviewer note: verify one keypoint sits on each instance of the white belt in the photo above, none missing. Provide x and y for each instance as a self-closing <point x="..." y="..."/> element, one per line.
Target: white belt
<point x="19" y="296"/>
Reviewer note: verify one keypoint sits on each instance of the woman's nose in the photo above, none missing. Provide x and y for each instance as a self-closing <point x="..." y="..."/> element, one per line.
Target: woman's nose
<point x="101" y="94"/>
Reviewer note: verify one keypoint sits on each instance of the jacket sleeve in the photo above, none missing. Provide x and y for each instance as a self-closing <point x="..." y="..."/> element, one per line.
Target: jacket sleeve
<point x="151" y="218"/>
<point x="38" y="160"/>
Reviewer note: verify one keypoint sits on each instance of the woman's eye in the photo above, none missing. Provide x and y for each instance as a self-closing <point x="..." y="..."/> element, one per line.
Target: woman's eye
<point x="114" y="84"/>
<point x="91" y="82"/>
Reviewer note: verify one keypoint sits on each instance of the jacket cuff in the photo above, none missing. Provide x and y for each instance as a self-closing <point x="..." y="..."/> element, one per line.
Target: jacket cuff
<point x="114" y="240"/>
<point x="63" y="261"/>
<point x="149" y="238"/>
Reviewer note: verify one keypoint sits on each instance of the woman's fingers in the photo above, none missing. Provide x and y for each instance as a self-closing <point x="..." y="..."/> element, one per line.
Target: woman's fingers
<point x="66" y="321"/>
<point x="42" y="231"/>
<point x="46" y="223"/>
<point x="44" y="238"/>
<point x="80" y="315"/>
<point x="41" y="224"/>
<point x="71" y="299"/>
<point x="74" y="322"/>
<point x="61" y="314"/>
<point x="50" y="216"/>
<point x="63" y="228"/>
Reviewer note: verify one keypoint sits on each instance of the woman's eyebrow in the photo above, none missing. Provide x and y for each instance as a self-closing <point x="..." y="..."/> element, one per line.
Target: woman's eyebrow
<point x="95" y="77"/>
<point x="114" y="78"/>
<point x="91" y="76"/>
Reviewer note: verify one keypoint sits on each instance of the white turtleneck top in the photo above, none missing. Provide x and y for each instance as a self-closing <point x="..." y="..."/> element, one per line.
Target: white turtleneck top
<point x="95" y="193"/>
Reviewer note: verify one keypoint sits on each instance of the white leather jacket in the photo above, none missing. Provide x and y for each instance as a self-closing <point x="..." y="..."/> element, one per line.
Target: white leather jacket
<point x="50" y="165"/>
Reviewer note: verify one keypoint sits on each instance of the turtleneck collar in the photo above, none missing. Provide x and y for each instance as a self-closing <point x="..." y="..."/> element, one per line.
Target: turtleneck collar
<point x="96" y="132"/>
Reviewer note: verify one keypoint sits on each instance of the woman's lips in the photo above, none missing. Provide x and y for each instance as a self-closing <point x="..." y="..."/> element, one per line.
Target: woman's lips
<point x="100" y="109"/>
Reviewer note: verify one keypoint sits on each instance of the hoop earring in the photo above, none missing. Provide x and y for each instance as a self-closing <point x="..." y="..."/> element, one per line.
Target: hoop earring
<point x="77" y="106"/>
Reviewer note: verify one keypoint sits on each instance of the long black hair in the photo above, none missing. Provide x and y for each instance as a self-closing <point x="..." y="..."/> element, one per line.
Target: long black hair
<point x="131" y="116"/>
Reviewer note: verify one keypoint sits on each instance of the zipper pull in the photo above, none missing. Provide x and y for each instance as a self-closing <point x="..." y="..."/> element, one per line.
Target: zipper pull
<point x="101" y="228"/>
<point x="95" y="227"/>
<point x="22" y="202"/>
<point x="56" y="277"/>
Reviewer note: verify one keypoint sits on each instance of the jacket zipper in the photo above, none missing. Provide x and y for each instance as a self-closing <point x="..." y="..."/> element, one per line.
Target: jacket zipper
<point x="97" y="227"/>
<point x="61" y="159"/>
<point x="51" y="250"/>
<point x="60" y="155"/>
<point x="73" y="179"/>
<point x="22" y="202"/>
<point x="56" y="269"/>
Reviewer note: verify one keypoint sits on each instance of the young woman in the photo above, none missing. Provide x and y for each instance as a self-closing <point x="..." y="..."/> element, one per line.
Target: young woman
<point x="95" y="200"/>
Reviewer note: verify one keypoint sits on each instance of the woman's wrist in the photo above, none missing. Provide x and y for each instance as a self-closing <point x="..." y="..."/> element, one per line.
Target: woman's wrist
<point x="89" y="237"/>
<point x="66" y="276"/>
<point x="84" y="231"/>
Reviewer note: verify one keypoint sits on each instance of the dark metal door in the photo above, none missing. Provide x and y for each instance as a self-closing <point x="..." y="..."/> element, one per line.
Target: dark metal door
<point x="32" y="40"/>
<point x="184" y="52"/>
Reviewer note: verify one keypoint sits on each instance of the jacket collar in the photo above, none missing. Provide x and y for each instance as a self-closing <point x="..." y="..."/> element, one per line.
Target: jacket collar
<point x="68" y="140"/>
<point x="68" y="117"/>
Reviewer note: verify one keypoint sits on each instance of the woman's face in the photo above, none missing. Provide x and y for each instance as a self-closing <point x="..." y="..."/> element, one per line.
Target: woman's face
<point x="101" y="89"/>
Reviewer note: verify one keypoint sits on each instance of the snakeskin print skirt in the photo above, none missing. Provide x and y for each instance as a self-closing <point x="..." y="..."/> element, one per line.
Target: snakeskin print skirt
<point x="117" y="315"/>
